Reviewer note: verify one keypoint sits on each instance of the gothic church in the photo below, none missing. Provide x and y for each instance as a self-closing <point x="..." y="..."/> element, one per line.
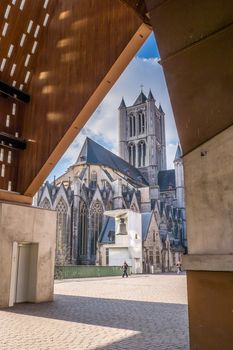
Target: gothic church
<point x="137" y="180"/>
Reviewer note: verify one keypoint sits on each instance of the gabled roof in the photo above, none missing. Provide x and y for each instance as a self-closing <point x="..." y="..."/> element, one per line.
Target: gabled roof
<point x="146" y="218"/>
<point x="166" y="180"/>
<point x="93" y="153"/>
<point x="141" y="99"/>
<point x="178" y="153"/>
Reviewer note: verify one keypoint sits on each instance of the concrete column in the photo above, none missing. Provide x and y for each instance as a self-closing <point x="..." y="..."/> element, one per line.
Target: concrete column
<point x="192" y="37"/>
<point x="209" y="264"/>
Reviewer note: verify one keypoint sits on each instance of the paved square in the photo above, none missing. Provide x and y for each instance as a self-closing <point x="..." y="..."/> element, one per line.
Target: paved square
<point x="146" y="312"/>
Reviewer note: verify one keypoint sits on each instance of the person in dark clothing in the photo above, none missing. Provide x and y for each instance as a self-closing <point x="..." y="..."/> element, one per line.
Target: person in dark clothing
<point x="125" y="269"/>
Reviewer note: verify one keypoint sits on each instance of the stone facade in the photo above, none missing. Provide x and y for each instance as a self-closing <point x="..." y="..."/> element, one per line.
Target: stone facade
<point x="100" y="181"/>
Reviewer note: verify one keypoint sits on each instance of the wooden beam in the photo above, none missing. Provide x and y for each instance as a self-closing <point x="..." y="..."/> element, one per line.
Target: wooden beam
<point x="15" y="197"/>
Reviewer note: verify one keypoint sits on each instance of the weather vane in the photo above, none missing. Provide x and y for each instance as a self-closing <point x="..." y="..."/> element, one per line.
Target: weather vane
<point x="141" y="86"/>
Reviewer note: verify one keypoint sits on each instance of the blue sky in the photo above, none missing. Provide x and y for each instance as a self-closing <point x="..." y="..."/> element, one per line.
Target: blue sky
<point x="149" y="49"/>
<point x="144" y="70"/>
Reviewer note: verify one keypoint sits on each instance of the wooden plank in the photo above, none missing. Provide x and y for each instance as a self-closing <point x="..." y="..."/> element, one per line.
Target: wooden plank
<point x="71" y="78"/>
<point x="7" y="196"/>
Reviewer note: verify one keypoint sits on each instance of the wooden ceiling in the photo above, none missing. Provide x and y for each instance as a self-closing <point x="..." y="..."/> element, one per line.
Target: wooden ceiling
<point x="65" y="56"/>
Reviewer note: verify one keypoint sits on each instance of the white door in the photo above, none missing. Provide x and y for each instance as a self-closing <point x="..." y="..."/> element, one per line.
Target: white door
<point x="22" y="281"/>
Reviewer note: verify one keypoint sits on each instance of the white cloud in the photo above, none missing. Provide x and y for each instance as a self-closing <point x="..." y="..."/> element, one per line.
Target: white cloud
<point x="103" y="124"/>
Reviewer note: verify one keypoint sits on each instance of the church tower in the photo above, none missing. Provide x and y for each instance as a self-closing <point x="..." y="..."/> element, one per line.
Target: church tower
<point x="142" y="136"/>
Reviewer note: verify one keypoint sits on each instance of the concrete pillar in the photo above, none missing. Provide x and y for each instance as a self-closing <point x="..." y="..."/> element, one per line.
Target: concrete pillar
<point x="209" y="264"/>
<point x="195" y="44"/>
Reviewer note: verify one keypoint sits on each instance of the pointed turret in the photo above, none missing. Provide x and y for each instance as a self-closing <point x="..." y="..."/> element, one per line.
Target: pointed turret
<point x="141" y="99"/>
<point x="160" y="109"/>
<point x="178" y="153"/>
<point x="150" y="96"/>
<point x="122" y="104"/>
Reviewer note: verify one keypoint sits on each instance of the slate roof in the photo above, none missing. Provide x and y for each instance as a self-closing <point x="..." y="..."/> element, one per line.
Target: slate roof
<point x="93" y="153"/>
<point x="150" y="96"/>
<point x="122" y="105"/>
<point x="146" y="218"/>
<point x="161" y="109"/>
<point x="107" y="230"/>
<point x="166" y="179"/>
<point x="141" y="99"/>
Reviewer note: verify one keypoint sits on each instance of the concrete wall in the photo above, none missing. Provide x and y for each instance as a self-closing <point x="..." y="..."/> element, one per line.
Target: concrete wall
<point x="209" y="196"/>
<point x="27" y="224"/>
<point x="209" y="264"/>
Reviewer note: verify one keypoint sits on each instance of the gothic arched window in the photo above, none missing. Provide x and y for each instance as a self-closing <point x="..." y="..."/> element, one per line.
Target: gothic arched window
<point x="96" y="223"/>
<point x="141" y="153"/>
<point x="132" y="154"/>
<point x="93" y="179"/>
<point x="83" y="229"/>
<point x="61" y="210"/>
<point x="45" y="204"/>
<point x="132" y="125"/>
<point x="141" y="123"/>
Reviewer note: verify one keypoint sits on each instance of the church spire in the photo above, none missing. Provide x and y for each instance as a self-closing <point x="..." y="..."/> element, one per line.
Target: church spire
<point x="160" y="109"/>
<point x="122" y="105"/>
<point x="141" y="99"/>
<point x="150" y="96"/>
<point x="178" y="153"/>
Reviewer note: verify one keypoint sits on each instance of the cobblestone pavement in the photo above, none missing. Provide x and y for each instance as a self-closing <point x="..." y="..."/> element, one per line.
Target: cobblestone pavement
<point x="146" y="312"/>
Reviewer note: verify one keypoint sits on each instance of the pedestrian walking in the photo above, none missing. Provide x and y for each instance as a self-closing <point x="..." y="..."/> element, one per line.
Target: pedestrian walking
<point x="178" y="267"/>
<point x="125" y="269"/>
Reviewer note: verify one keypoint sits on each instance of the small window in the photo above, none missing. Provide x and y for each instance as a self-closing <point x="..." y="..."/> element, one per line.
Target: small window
<point x="1" y="154"/>
<point x="7" y="11"/>
<point x="12" y="69"/>
<point x="9" y="157"/>
<point x="45" y="4"/>
<point x="7" y="121"/>
<point x="36" y="31"/>
<point x="3" y="170"/>
<point x="22" y="5"/>
<point x="27" y="77"/>
<point x="46" y="19"/>
<point x="34" y="46"/>
<point x="27" y="60"/>
<point x="13" y="109"/>
<point x="3" y="64"/>
<point x="10" y="50"/>
<point x="9" y="186"/>
<point x="5" y="29"/>
<point x="23" y="37"/>
<point x="29" y="26"/>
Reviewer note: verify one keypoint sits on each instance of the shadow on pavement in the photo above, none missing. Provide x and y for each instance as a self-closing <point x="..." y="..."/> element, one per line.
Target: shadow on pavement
<point x="159" y="325"/>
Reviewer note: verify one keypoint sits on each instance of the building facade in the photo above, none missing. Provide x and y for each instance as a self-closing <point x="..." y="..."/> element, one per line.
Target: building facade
<point x="138" y="180"/>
